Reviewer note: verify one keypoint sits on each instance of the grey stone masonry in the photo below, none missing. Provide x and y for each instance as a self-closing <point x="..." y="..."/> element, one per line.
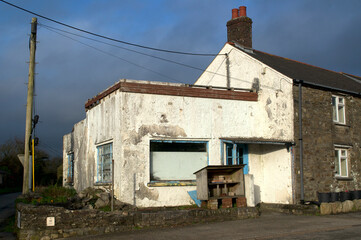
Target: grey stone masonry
<point x="36" y="222"/>
<point x="320" y="137"/>
<point x="340" y="207"/>
<point x="295" y="209"/>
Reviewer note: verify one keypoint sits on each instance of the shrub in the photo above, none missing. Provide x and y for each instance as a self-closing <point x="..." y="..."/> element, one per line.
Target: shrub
<point x="55" y="194"/>
<point x="49" y="195"/>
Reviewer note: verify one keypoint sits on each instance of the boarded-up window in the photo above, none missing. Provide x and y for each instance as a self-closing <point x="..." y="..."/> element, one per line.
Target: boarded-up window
<point x="172" y="160"/>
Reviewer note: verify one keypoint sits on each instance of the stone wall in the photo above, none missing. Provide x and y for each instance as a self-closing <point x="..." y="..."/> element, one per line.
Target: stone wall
<point x="320" y="134"/>
<point x="32" y="223"/>
<point x="295" y="209"/>
<point x="340" y="207"/>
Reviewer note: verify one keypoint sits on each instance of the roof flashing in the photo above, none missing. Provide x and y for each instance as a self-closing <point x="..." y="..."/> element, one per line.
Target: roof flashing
<point x="246" y="49"/>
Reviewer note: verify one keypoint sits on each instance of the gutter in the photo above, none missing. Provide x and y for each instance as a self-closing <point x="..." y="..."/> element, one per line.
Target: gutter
<point x="305" y="83"/>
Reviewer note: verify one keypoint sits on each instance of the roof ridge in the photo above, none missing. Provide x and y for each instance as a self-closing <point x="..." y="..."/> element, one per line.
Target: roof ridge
<point x="352" y="75"/>
<point x="307" y="64"/>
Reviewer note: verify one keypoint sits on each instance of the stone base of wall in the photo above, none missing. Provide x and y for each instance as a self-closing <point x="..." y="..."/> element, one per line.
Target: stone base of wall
<point x="340" y="207"/>
<point x="33" y="221"/>
<point x="295" y="209"/>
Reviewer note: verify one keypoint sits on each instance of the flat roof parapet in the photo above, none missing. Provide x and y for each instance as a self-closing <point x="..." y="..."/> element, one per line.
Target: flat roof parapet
<point x="174" y="89"/>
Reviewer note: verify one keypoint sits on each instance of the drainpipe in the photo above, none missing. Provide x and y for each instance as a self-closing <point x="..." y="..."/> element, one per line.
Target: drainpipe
<point x="112" y="193"/>
<point x="227" y="72"/>
<point x="302" y="201"/>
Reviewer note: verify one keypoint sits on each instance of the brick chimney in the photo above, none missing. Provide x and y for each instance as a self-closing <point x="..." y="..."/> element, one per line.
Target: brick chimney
<point x="239" y="28"/>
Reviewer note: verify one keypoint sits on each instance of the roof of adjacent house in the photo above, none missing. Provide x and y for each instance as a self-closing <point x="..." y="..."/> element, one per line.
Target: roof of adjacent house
<point x="309" y="74"/>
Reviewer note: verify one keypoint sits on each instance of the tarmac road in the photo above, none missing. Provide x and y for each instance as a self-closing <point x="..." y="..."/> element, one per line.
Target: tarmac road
<point x="268" y="226"/>
<point x="7" y="209"/>
<point x="7" y="205"/>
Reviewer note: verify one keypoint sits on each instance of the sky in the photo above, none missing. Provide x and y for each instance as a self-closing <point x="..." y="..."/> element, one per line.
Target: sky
<point x="71" y="69"/>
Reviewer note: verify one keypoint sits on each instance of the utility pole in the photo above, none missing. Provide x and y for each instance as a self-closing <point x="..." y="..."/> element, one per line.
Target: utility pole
<point x="29" y="105"/>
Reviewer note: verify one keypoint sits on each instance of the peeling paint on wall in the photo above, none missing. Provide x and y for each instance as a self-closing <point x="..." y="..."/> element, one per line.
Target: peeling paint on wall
<point x="268" y="109"/>
<point x="132" y="120"/>
<point x="145" y="192"/>
<point x="156" y="130"/>
<point x="163" y="118"/>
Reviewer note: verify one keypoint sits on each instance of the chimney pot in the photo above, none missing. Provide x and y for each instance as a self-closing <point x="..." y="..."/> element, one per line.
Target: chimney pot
<point x="242" y="11"/>
<point x="235" y="13"/>
<point x="239" y="28"/>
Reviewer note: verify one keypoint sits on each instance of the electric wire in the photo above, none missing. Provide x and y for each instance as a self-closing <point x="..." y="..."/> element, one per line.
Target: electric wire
<point x="52" y="149"/>
<point x="127" y="49"/>
<point x="47" y="149"/>
<point x="145" y="54"/>
<point x="115" y="56"/>
<point x="128" y="43"/>
<point x="109" y="38"/>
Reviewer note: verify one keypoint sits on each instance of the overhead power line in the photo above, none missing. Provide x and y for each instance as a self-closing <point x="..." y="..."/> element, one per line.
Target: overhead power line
<point x="131" y="44"/>
<point x="58" y="31"/>
<point x="55" y="30"/>
<point x="124" y="48"/>
<point x="50" y="148"/>
<point x="115" y="56"/>
<point x="109" y="38"/>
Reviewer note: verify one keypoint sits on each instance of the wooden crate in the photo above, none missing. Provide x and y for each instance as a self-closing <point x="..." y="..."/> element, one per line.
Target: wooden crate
<point x="217" y="182"/>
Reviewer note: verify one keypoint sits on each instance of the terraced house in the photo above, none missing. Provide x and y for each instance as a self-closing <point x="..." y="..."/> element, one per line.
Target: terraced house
<point x="296" y="127"/>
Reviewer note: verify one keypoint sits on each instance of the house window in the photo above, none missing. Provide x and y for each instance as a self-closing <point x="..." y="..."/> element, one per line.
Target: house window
<point x="338" y="109"/>
<point x="341" y="165"/>
<point x="235" y="153"/>
<point x="70" y="174"/>
<point x="104" y="165"/>
<point x="176" y="160"/>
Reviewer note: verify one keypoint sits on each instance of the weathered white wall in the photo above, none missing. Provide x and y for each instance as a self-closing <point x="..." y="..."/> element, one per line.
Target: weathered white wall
<point x="131" y="120"/>
<point x="99" y="127"/>
<point x="77" y="142"/>
<point x="275" y="103"/>
<point x="67" y="147"/>
<point x="147" y="117"/>
<point x="103" y="127"/>
<point x="271" y="167"/>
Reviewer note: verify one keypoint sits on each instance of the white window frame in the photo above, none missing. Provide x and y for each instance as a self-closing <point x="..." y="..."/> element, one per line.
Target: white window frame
<point x="340" y="157"/>
<point x="101" y="158"/>
<point x="335" y="109"/>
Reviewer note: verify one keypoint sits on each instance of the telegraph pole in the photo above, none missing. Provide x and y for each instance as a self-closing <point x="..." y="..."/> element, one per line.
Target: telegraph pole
<point x="29" y="105"/>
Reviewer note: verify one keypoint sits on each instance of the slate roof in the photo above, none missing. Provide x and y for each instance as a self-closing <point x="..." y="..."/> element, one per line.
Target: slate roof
<point x="308" y="73"/>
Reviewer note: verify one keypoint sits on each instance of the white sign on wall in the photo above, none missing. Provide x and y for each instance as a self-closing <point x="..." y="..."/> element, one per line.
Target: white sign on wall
<point x="50" y="221"/>
<point x="19" y="219"/>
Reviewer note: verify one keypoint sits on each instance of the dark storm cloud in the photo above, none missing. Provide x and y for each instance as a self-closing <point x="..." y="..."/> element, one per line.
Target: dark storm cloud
<point x="322" y="33"/>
